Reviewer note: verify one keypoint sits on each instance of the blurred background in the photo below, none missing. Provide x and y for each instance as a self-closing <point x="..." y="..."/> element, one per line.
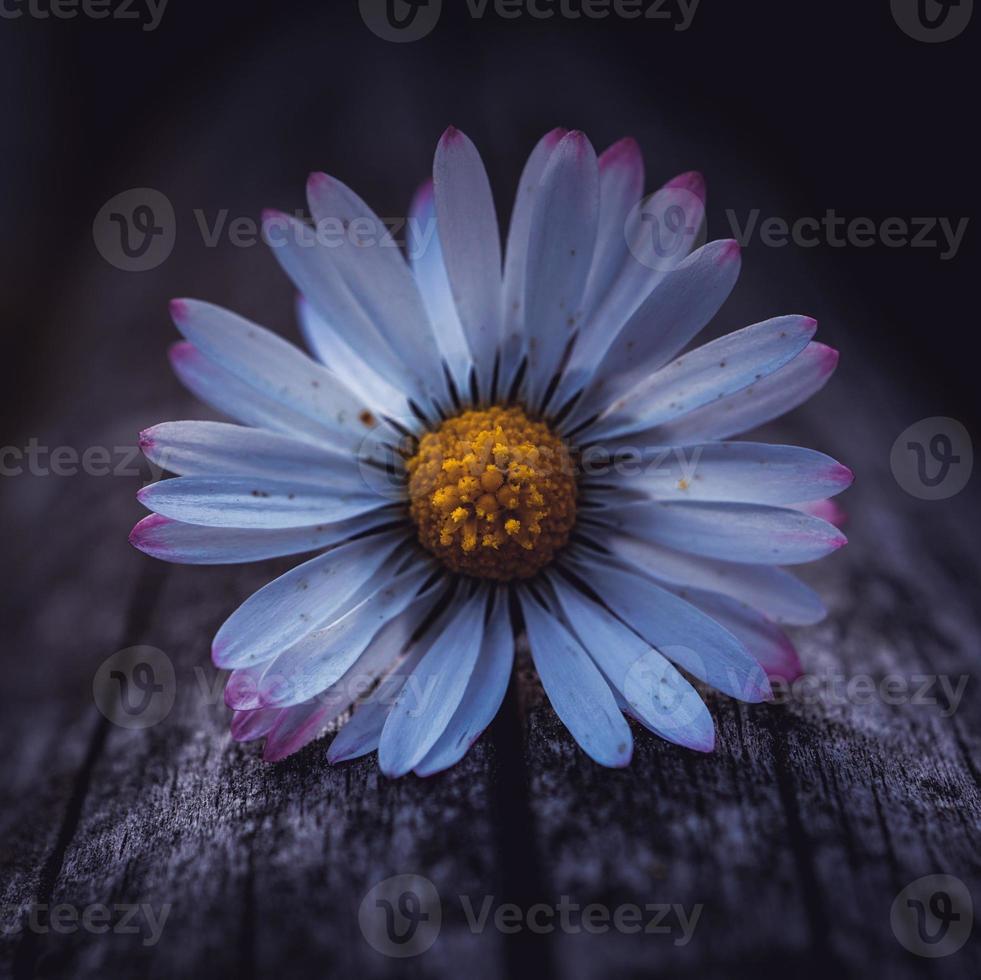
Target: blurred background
<point x="222" y="108"/>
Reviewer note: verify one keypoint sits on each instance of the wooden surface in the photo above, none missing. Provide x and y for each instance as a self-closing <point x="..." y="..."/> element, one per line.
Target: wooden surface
<point x="795" y="835"/>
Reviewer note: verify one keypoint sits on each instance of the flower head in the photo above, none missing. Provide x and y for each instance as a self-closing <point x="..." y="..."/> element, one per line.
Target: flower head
<point x="494" y="440"/>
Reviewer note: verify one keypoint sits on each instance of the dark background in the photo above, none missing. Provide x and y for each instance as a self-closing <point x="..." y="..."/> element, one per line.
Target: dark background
<point x="789" y="108"/>
<point x="805" y="823"/>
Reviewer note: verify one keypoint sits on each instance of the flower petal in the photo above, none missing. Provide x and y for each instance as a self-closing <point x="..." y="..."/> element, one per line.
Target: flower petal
<point x="372" y="268"/>
<point x="344" y="361"/>
<point x="760" y="402"/>
<point x="765" y="641"/>
<point x="561" y="240"/>
<point x="429" y="268"/>
<point x="431" y="695"/>
<point x="231" y="396"/>
<point x="621" y="181"/>
<point x="485" y="691"/>
<point x="221" y="449"/>
<point x="654" y="690"/>
<point x="753" y="533"/>
<point x="657" y="235"/>
<point x="576" y="689"/>
<point x="739" y="472"/>
<point x="196" y="544"/>
<point x="251" y="502"/>
<point x="304" y="257"/>
<point x="683" y="302"/>
<point x="296" y="603"/>
<point x="275" y="368"/>
<point x="774" y="592"/>
<point x="676" y="628"/>
<point x="321" y="658"/>
<point x="514" y="345"/>
<point x="704" y="375"/>
<point x="249" y="725"/>
<point x="471" y="243"/>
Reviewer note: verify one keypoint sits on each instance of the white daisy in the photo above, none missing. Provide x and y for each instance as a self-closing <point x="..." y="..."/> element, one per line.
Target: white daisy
<point x="490" y="442"/>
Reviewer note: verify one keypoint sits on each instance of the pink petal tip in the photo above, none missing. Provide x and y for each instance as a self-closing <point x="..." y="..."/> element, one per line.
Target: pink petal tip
<point x="692" y="181"/>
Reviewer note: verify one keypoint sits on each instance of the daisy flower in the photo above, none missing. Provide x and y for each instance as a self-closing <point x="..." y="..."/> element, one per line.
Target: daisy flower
<point x="491" y="442"/>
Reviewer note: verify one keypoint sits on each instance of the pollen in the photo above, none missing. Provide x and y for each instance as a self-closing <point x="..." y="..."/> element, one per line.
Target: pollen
<point x="493" y="493"/>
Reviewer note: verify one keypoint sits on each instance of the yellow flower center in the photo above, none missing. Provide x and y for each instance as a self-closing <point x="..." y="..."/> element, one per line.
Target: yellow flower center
<point x="493" y="493"/>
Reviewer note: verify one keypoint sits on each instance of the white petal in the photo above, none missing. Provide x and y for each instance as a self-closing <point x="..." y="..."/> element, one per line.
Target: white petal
<point x="683" y="302"/>
<point x="774" y="592"/>
<point x="621" y="177"/>
<point x="763" y="400"/>
<point x="435" y="689"/>
<point x="275" y="368"/>
<point x="560" y="251"/>
<point x="195" y="544"/>
<point x="657" y="235"/>
<point x="320" y="659"/>
<point x="429" y="268"/>
<point x="238" y="399"/>
<point x="737" y="472"/>
<point x="305" y="260"/>
<point x="765" y="641"/>
<point x="296" y="603"/>
<point x="704" y="375"/>
<point x="253" y="502"/>
<point x="514" y="346"/>
<point x="754" y="533"/>
<point x="485" y="692"/>
<point x="221" y="449"/>
<point x="471" y="248"/>
<point x="654" y="690"/>
<point x="372" y="268"/>
<point x="576" y="689"/>
<point x="336" y="354"/>
<point x="676" y="628"/>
